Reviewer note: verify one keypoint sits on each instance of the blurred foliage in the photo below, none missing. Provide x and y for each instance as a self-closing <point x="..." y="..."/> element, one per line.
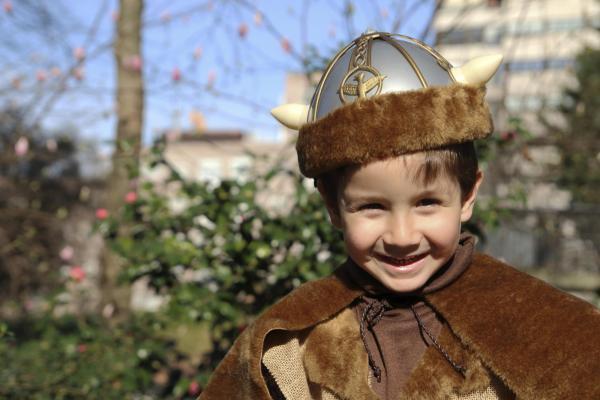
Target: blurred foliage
<point x="217" y="253"/>
<point x="84" y="358"/>
<point x="579" y="138"/>
<point x="39" y="183"/>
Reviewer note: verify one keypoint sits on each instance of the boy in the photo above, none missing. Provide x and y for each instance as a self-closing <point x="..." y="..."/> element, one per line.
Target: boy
<point x="413" y="313"/>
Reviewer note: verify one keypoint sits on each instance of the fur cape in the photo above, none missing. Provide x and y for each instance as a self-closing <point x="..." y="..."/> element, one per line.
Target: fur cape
<point x="540" y="342"/>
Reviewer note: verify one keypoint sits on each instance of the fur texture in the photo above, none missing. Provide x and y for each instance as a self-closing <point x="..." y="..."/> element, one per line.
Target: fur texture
<point x="542" y="343"/>
<point x="392" y="124"/>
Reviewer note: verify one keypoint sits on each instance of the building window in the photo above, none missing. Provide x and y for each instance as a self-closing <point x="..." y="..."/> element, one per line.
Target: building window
<point x="494" y="3"/>
<point x="458" y="36"/>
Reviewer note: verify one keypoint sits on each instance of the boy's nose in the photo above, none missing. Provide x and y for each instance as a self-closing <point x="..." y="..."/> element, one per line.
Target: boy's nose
<point x="402" y="232"/>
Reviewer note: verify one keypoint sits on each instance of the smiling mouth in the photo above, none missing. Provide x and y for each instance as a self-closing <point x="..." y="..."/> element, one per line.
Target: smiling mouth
<point x="401" y="262"/>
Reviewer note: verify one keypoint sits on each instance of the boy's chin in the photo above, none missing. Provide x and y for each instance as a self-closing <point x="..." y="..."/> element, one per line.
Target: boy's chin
<point x="403" y="285"/>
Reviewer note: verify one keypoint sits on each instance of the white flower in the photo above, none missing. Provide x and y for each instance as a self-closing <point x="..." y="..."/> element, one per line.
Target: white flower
<point x="323" y="255"/>
<point x="296" y="249"/>
<point x="204" y="222"/>
<point x="142" y="353"/>
<point x="219" y="240"/>
<point x="195" y="236"/>
<point x="213" y="287"/>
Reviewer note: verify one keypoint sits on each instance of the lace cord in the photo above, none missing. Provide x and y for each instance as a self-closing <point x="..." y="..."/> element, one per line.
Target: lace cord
<point x="370" y="317"/>
<point x="373" y="313"/>
<point x="457" y="367"/>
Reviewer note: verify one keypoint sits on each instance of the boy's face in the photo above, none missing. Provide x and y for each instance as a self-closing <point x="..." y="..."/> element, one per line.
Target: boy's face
<point x="396" y="228"/>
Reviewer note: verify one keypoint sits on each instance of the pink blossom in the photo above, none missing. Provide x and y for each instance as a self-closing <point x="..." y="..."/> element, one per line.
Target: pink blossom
<point x="101" y="213"/>
<point x="133" y="63"/>
<point x="165" y="16"/>
<point x="67" y="253"/>
<point x="243" y="30"/>
<point x="8" y="7"/>
<point x="82" y="348"/>
<point x="258" y="19"/>
<point x="41" y="75"/>
<point x="22" y="146"/>
<point x="194" y="388"/>
<point x="212" y="77"/>
<point x="130" y="197"/>
<point x="176" y="74"/>
<point x="79" y="53"/>
<point x="78" y="73"/>
<point x="286" y="45"/>
<point x="508" y="135"/>
<point x="55" y="71"/>
<point x="51" y="145"/>
<point x="77" y="273"/>
<point x="197" y="53"/>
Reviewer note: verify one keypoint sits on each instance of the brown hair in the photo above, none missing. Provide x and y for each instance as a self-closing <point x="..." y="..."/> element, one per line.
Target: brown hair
<point x="457" y="161"/>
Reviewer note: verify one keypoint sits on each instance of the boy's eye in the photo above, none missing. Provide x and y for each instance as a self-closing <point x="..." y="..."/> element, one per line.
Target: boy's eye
<point x="428" y="202"/>
<point x="371" y="206"/>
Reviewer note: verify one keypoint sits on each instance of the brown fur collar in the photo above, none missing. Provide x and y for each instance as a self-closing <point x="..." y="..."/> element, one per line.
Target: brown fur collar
<point x="541" y="342"/>
<point x="393" y="124"/>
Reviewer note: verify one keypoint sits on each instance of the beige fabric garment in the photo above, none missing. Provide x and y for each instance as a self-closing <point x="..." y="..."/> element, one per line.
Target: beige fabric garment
<point x="283" y="357"/>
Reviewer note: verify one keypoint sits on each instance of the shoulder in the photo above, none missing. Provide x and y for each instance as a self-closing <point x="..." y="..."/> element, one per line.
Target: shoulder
<point x="537" y="338"/>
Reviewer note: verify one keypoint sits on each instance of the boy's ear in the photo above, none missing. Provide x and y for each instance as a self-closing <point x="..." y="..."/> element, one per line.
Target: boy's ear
<point x="331" y="205"/>
<point x="469" y="202"/>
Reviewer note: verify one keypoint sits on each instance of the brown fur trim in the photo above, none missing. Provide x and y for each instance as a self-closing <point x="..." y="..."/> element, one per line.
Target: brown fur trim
<point x="434" y="377"/>
<point x="393" y="124"/>
<point x="542" y="343"/>
<point x="334" y="349"/>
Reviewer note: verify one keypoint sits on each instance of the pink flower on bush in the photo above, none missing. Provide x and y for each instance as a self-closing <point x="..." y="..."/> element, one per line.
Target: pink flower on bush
<point x="22" y="146"/>
<point x="78" y="73"/>
<point x="243" y="30"/>
<point x="286" y="45"/>
<point x="194" y="388"/>
<point x="133" y="63"/>
<point x="79" y="53"/>
<point x="82" y="348"/>
<point x="211" y="77"/>
<point x="8" y="6"/>
<point x="176" y="74"/>
<point x="508" y="135"/>
<point x="197" y="53"/>
<point x="77" y="273"/>
<point x="41" y="75"/>
<point x="101" y="213"/>
<point x="130" y="197"/>
<point x="66" y="254"/>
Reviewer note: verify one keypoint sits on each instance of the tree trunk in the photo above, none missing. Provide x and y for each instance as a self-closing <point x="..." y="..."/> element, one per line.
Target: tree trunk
<point x="130" y="110"/>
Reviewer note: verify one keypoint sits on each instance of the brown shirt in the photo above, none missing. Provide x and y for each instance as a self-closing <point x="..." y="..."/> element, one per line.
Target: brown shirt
<point x="396" y="342"/>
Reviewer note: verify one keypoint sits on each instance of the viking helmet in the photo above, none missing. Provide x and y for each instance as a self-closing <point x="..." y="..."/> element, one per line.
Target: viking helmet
<point x="384" y="95"/>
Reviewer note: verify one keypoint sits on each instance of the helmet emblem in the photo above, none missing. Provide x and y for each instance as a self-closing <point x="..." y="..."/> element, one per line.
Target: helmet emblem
<point x="366" y="77"/>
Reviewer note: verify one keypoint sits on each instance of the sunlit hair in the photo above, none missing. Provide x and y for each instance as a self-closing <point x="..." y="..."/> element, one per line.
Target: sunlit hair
<point x="457" y="161"/>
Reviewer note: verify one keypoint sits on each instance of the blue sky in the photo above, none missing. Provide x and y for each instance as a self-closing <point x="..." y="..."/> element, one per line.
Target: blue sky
<point x="248" y="71"/>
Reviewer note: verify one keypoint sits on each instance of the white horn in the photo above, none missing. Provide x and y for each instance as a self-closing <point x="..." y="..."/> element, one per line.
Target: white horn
<point x="292" y="116"/>
<point x="478" y="70"/>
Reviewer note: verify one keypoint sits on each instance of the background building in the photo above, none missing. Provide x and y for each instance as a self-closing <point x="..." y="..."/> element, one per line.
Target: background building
<point x="539" y="40"/>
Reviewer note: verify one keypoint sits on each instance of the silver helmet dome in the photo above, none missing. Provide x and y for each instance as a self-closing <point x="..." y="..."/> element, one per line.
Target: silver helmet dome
<point x="378" y="63"/>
